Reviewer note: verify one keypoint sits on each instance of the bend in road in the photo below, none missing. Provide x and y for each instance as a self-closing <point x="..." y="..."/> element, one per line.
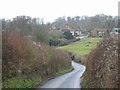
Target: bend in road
<point x="69" y="80"/>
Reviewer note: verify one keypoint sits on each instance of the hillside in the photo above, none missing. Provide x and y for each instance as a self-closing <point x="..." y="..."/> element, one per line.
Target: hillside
<point x="81" y="48"/>
<point x="102" y="65"/>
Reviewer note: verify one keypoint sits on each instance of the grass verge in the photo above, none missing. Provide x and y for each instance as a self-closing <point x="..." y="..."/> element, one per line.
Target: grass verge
<point x="22" y="82"/>
<point x="25" y="82"/>
<point x="61" y="72"/>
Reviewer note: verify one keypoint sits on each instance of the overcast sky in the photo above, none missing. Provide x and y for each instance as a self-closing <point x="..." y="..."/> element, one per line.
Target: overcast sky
<point x="51" y="9"/>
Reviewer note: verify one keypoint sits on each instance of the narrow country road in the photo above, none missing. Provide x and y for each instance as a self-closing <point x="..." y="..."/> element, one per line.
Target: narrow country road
<point x="69" y="80"/>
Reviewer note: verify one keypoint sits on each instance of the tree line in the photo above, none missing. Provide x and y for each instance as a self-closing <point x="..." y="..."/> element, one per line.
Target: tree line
<point x="41" y="32"/>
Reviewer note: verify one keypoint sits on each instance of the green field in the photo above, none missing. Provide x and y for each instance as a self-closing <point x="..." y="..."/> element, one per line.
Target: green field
<point x="82" y="47"/>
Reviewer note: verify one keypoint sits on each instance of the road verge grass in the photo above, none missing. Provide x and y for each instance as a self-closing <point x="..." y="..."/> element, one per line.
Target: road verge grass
<point x="62" y="72"/>
<point x="22" y="82"/>
<point x="25" y="82"/>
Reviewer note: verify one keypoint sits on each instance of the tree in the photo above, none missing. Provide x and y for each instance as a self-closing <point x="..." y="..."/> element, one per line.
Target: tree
<point x="53" y="42"/>
<point x="55" y="37"/>
<point x="40" y="36"/>
<point x="60" y="22"/>
<point x="68" y="35"/>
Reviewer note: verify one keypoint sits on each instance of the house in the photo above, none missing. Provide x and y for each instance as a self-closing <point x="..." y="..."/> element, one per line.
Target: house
<point x="98" y="32"/>
<point x="75" y="32"/>
<point x="114" y="31"/>
<point x="72" y="32"/>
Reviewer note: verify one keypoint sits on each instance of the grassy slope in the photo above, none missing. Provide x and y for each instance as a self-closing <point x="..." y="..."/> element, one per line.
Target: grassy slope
<point x="80" y="47"/>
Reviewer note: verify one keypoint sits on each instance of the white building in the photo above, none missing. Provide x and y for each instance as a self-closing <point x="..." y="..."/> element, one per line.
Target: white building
<point x="77" y="32"/>
<point x="115" y="31"/>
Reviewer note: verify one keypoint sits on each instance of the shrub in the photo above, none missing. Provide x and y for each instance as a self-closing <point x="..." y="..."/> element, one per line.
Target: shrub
<point x="66" y="42"/>
<point x="54" y="42"/>
<point x="68" y="35"/>
<point x="21" y="57"/>
<point x="102" y="67"/>
<point x="41" y="36"/>
<point x="16" y="54"/>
